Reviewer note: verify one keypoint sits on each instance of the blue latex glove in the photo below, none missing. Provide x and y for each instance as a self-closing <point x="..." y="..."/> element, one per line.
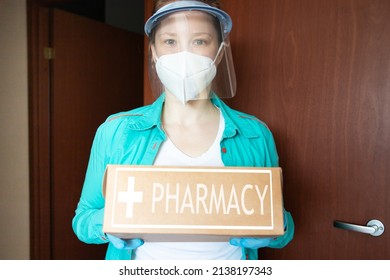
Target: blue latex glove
<point x="125" y="244"/>
<point x="256" y="243"/>
<point x="251" y="243"/>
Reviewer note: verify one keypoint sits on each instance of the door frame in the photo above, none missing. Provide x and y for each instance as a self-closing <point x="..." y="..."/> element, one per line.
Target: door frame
<point x="39" y="130"/>
<point x="38" y="37"/>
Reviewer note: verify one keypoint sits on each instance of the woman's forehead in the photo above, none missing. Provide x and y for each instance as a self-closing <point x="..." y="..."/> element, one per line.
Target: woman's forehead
<point x="187" y="21"/>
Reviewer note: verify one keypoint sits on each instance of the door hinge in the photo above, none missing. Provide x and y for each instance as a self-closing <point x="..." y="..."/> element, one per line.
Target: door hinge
<point x="49" y="53"/>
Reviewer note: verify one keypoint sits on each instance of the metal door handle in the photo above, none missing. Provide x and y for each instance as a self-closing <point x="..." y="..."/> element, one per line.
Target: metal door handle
<point x="374" y="227"/>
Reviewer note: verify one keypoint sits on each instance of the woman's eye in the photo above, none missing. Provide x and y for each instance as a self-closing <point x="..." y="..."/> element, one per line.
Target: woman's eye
<point x="169" y="42"/>
<point x="200" y="42"/>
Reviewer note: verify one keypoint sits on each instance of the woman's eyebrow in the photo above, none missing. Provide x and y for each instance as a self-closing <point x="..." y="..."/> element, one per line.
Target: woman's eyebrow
<point x="203" y="33"/>
<point x="167" y="34"/>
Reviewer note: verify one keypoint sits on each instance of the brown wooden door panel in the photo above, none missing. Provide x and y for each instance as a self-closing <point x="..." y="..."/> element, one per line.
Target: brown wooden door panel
<point x="318" y="73"/>
<point x="97" y="70"/>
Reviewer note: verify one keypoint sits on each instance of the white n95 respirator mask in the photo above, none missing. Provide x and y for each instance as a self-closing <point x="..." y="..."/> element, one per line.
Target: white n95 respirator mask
<point x="186" y="75"/>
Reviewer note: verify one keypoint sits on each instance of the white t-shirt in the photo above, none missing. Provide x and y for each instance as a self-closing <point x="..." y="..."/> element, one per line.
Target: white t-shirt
<point x="169" y="154"/>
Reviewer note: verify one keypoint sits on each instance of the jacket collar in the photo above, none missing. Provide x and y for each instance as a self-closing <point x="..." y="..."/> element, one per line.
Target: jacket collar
<point x="235" y="121"/>
<point x="148" y="116"/>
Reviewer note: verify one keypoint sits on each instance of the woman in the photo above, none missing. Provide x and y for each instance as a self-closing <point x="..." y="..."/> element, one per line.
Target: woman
<point x="191" y="69"/>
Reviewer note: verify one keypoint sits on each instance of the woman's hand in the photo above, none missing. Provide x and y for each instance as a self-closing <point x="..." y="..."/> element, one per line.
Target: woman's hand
<point x="251" y="243"/>
<point x="125" y="244"/>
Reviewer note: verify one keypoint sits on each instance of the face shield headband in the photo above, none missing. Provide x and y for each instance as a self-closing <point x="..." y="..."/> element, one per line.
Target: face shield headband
<point x="177" y="6"/>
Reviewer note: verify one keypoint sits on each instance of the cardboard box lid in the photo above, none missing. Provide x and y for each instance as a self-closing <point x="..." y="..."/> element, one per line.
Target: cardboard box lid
<point x="192" y="203"/>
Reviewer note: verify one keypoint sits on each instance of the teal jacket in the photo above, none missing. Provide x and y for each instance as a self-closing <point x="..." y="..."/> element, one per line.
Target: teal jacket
<point x="134" y="138"/>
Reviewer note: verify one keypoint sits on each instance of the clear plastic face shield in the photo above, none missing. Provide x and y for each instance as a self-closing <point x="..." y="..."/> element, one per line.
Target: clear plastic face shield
<point x="189" y="55"/>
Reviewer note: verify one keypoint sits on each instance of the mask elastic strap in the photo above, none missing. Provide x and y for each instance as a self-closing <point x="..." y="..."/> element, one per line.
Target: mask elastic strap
<point x="216" y="56"/>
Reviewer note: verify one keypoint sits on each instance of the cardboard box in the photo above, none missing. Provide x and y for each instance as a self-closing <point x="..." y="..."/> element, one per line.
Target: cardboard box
<point x="192" y="203"/>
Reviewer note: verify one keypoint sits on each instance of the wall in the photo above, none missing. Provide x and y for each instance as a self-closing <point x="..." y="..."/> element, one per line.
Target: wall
<point x="14" y="182"/>
<point x="125" y="14"/>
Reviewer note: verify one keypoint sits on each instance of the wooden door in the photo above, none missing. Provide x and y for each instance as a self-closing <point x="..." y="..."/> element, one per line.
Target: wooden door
<point x="318" y="73"/>
<point x="96" y="71"/>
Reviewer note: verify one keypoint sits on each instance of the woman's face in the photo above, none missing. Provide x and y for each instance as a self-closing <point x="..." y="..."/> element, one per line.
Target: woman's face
<point x="192" y="31"/>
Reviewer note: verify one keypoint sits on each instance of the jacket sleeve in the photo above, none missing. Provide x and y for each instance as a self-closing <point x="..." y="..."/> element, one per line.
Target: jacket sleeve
<point x="272" y="160"/>
<point x="88" y="220"/>
<point x="269" y="147"/>
<point x="288" y="235"/>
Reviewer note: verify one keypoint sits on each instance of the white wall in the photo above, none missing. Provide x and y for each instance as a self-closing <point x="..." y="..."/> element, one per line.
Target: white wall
<point x="14" y="175"/>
